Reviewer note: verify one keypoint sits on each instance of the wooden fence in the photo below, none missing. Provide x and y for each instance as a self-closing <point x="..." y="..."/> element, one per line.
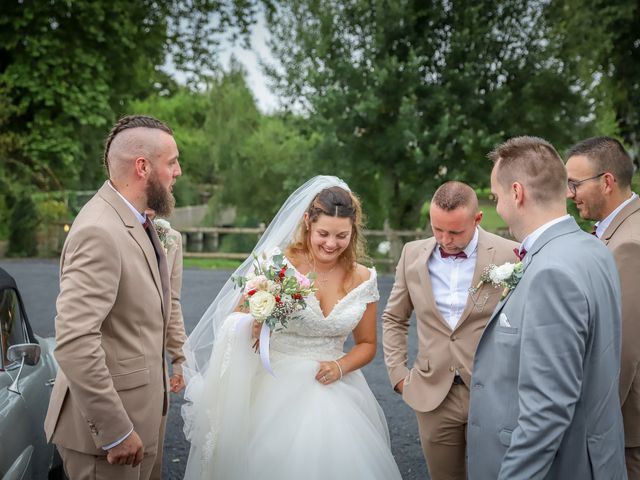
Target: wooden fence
<point x="204" y="242"/>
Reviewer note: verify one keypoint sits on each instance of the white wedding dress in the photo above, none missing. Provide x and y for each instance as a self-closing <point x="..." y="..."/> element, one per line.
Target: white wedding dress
<point x="251" y="425"/>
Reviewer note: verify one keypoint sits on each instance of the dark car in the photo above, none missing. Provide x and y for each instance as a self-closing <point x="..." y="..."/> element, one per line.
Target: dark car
<point x="27" y="373"/>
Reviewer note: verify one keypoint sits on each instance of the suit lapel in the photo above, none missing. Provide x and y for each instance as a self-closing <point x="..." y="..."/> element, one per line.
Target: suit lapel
<point x="631" y="208"/>
<point x="136" y="230"/>
<point x="425" y="279"/>
<point x="564" y="227"/>
<point x="163" y="271"/>
<point x="485" y="255"/>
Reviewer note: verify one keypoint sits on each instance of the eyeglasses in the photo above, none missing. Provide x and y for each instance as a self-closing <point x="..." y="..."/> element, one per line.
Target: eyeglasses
<point x="573" y="185"/>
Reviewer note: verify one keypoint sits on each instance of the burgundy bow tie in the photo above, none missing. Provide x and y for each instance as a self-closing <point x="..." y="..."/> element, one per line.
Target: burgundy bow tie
<point x="444" y="254"/>
<point x="520" y="253"/>
<point x="146" y="224"/>
<point x="594" y="230"/>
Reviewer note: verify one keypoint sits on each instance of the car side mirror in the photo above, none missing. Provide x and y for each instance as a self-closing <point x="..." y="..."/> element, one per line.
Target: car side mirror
<point x="25" y="353"/>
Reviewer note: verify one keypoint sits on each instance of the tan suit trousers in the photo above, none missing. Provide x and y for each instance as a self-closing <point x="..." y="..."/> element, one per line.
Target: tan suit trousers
<point x="156" y="473"/>
<point x="443" y="435"/>
<point x="632" y="458"/>
<point x="81" y="466"/>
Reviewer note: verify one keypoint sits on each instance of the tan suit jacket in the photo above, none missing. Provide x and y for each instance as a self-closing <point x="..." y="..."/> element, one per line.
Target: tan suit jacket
<point x="441" y="351"/>
<point x="112" y="313"/>
<point x="622" y="238"/>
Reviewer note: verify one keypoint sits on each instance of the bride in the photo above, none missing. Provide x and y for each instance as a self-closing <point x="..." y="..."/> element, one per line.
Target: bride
<point x="315" y="417"/>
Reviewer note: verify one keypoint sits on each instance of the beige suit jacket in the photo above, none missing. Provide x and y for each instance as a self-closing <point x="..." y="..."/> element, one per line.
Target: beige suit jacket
<point x="622" y="238"/>
<point x="176" y="335"/>
<point x="112" y="313"/>
<point x="441" y="351"/>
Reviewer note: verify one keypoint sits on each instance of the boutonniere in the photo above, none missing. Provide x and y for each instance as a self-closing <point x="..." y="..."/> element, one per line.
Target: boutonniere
<point x="506" y="276"/>
<point x="163" y="229"/>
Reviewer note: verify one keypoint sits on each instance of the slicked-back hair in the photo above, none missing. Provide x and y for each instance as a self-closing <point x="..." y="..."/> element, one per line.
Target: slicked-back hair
<point x="452" y="195"/>
<point x="128" y="122"/>
<point x="534" y="163"/>
<point x="607" y="155"/>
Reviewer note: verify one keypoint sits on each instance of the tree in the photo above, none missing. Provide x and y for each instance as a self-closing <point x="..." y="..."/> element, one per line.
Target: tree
<point x="408" y="94"/>
<point x="68" y="69"/>
<point x="259" y="159"/>
<point x="227" y="146"/>
<point x="601" y="41"/>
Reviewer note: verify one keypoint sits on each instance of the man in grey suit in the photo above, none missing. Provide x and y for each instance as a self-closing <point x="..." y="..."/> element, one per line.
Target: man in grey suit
<point x="544" y="391"/>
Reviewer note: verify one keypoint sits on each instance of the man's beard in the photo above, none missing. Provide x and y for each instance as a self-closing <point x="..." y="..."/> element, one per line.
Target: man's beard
<point x="159" y="199"/>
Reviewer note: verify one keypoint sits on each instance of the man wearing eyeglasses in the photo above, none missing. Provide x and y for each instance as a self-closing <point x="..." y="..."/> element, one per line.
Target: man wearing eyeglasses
<point x="599" y="182"/>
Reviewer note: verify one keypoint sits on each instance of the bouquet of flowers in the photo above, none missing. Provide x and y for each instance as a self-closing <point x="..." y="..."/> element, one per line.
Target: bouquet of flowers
<point x="273" y="292"/>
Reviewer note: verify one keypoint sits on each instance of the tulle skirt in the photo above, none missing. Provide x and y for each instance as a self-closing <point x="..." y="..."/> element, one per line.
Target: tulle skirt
<point x="289" y="426"/>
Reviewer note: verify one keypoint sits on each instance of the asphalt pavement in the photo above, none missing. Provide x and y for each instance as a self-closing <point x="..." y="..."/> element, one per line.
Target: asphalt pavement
<point x="38" y="283"/>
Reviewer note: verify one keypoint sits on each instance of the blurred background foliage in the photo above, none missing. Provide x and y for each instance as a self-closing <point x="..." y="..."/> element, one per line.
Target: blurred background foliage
<point x="395" y="96"/>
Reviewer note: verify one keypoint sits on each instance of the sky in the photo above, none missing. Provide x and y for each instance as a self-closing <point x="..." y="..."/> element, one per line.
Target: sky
<point x="250" y="58"/>
<point x="265" y="99"/>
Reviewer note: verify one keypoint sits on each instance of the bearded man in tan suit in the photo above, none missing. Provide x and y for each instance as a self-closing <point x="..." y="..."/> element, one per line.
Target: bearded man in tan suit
<point x="599" y="171"/>
<point x="112" y="312"/>
<point x="433" y="278"/>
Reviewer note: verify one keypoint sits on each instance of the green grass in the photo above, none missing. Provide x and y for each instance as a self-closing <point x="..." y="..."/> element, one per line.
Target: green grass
<point x="211" y="263"/>
<point x="491" y="221"/>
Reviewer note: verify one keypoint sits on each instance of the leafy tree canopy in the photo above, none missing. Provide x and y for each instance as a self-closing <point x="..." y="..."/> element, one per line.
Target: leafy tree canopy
<point x="408" y="94"/>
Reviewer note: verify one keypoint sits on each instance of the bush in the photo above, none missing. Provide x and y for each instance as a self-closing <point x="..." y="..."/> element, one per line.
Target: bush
<point x="186" y="192"/>
<point x="23" y="227"/>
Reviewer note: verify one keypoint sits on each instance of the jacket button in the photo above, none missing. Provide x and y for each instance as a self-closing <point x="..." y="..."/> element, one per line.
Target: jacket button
<point x="453" y="339"/>
<point x="451" y="368"/>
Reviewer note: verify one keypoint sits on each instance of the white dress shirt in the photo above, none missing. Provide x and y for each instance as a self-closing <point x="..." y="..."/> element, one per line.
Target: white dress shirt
<point x="451" y="279"/>
<point x="602" y="226"/>
<point x="141" y="218"/>
<point x="530" y="239"/>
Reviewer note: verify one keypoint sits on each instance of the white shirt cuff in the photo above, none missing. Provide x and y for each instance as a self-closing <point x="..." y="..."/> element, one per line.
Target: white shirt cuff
<point x="118" y="442"/>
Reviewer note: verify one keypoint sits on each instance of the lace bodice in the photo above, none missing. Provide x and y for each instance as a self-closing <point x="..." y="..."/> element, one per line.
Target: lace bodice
<point x="311" y="334"/>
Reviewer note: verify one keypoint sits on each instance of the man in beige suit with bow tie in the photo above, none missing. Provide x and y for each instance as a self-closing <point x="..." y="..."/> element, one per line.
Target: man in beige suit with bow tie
<point x="600" y="172"/>
<point x="112" y="312"/>
<point x="433" y="278"/>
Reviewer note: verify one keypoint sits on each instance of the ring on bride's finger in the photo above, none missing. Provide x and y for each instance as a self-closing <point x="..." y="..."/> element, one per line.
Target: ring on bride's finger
<point x="324" y="378"/>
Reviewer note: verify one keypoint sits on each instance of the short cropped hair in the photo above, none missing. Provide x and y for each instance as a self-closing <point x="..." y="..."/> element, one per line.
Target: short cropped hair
<point x="533" y="162"/>
<point x="452" y="195"/>
<point x="607" y="155"/>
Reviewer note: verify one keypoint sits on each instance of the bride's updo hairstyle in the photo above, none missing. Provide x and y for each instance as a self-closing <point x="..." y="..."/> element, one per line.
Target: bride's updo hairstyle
<point x="333" y="202"/>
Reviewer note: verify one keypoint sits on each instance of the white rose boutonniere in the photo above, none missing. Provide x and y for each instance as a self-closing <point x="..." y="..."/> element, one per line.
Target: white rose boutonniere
<point x="506" y="276"/>
<point x="163" y="229"/>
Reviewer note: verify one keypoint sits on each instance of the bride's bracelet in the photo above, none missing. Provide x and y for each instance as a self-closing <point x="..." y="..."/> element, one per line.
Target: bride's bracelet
<point x="339" y="368"/>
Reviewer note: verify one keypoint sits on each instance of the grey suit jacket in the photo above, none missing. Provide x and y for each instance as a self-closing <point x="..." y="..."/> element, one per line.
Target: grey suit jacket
<point x="544" y="392"/>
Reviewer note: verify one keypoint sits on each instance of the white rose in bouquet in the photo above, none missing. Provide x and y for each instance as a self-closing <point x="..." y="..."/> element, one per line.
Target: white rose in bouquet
<point x="501" y="273"/>
<point x="261" y="305"/>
